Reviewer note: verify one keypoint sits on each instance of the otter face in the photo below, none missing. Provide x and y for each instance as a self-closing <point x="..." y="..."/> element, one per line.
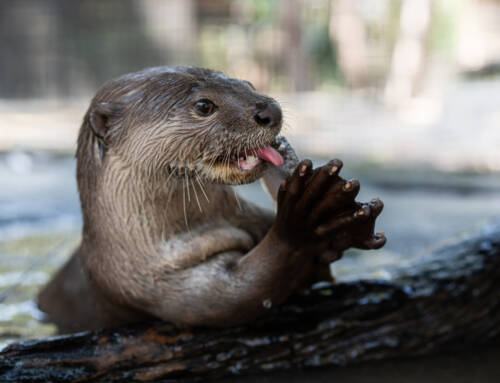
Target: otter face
<point x="188" y="120"/>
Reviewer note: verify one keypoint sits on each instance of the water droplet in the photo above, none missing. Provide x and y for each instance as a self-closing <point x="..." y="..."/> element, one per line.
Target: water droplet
<point x="267" y="303"/>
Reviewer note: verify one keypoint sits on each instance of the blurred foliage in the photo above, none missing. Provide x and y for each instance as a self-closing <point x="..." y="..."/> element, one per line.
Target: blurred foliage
<point x="444" y="27"/>
<point x="327" y="72"/>
<point x="71" y="48"/>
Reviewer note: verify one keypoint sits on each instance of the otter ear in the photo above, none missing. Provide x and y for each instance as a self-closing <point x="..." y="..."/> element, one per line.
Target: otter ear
<point x="99" y="122"/>
<point x="100" y="116"/>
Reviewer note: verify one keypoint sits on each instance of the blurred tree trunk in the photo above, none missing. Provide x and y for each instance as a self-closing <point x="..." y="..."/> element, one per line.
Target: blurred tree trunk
<point x="294" y="51"/>
<point x="348" y="32"/>
<point x="408" y="59"/>
<point x="172" y="26"/>
<point x="59" y="48"/>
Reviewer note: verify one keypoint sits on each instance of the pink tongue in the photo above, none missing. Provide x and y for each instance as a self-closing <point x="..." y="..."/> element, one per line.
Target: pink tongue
<point x="271" y="155"/>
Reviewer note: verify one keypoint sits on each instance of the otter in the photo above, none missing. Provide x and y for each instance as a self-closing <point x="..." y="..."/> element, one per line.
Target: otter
<point x="164" y="236"/>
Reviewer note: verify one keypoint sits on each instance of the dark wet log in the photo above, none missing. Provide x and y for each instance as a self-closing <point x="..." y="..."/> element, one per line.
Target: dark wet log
<point x="449" y="299"/>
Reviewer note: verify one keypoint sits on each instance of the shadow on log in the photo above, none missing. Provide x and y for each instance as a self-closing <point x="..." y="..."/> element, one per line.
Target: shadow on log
<point x="448" y="299"/>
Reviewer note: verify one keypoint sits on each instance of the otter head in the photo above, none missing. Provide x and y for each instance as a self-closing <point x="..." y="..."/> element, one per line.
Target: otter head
<point x="185" y="121"/>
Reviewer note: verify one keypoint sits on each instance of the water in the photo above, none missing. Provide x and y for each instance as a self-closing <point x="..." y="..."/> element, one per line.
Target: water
<point x="39" y="224"/>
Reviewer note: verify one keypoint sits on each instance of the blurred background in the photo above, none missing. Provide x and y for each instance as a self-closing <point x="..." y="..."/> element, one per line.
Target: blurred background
<point x="386" y="81"/>
<point x="405" y="92"/>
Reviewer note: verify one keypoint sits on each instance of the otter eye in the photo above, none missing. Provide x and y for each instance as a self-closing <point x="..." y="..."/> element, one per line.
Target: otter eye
<point x="204" y="107"/>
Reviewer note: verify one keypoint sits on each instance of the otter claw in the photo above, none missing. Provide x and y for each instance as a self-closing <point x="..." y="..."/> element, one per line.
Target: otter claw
<point x="334" y="166"/>
<point x="351" y="188"/>
<point x="359" y="213"/>
<point x="296" y="182"/>
<point x="333" y="170"/>
<point x="303" y="170"/>
<point x="364" y="212"/>
<point x="376" y="241"/>
<point x="376" y="206"/>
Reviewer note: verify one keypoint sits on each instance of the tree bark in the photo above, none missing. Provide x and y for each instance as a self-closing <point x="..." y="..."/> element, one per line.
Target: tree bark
<point x="449" y="299"/>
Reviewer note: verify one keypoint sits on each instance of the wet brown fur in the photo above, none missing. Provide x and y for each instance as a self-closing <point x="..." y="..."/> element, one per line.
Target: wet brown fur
<point x="150" y="180"/>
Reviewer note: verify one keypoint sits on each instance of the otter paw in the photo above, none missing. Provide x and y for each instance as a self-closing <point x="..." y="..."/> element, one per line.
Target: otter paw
<point x="307" y="196"/>
<point x="335" y="214"/>
<point x="353" y="229"/>
<point x="363" y="236"/>
<point x="318" y="206"/>
<point x="328" y="201"/>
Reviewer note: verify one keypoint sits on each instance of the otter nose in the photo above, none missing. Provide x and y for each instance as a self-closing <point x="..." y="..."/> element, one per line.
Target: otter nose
<point x="268" y="114"/>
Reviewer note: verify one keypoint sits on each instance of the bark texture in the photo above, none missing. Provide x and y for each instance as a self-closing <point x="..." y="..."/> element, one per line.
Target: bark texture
<point x="449" y="299"/>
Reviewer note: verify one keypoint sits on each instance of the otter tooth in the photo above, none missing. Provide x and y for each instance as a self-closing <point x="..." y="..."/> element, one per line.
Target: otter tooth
<point x="251" y="160"/>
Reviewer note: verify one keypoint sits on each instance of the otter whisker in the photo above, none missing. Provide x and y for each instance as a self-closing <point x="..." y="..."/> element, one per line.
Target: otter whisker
<point x="225" y="162"/>
<point x="247" y="145"/>
<point x="196" y="196"/>
<point x="238" y="156"/>
<point x="197" y="177"/>
<point x="237" y="200"/>
<point x="214" y="160"/>
<point x="286" y="126"/>
<point x="172" y="171"/>
<point x="211" y="162"/>
<point x="184" y="208"/>
<point x="186" y="177"/>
